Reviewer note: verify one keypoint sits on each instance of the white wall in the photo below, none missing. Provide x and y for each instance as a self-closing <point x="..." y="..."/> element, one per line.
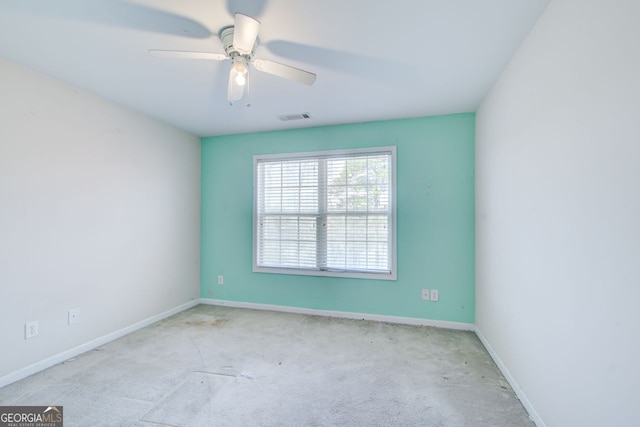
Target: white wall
<point x="99" y="210"/>
<point x="558" y="215"/>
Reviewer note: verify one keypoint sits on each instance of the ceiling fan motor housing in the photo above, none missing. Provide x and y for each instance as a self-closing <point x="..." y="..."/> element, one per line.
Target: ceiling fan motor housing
<point x="226" y="36"/>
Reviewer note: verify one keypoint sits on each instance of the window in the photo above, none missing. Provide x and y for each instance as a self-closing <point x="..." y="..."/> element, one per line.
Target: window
<point x="326" y="213"/>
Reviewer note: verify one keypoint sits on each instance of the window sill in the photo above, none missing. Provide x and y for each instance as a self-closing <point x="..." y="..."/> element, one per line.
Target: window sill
<point x="326" y="273"/>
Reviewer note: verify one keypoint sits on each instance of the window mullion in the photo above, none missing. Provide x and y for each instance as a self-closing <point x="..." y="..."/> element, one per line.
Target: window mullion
<point x="299" y="210"/>
<point x="280" y="251"/>
<point x="321" y="221"/>
<point x="367" y="243"/>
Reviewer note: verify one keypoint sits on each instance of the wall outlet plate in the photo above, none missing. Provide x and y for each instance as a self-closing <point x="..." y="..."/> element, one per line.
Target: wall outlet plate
<point x="425" y="294"/>
<point x="434" y="295"/>
<point x="31" y="330"/>
<point x="220" y="280"/>
<point x="74" y="316"/>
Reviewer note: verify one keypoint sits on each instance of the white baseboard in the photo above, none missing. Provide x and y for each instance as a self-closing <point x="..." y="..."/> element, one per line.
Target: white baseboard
<point x="343" y="314"/>
<point x="75" y="351"/>
<point x="533" y="414"/>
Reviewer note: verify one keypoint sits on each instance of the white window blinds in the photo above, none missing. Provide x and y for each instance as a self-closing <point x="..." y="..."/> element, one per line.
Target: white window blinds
<point x="328" y="213"/>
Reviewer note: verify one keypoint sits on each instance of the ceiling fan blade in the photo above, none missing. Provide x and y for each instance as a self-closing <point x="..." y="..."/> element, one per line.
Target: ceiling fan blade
<point x="123" y="14"/>
<point x="245" y="33"/>
<point x="187" y="55"/>
<point x="285" y="71"/>
<point x="247" y="7"/>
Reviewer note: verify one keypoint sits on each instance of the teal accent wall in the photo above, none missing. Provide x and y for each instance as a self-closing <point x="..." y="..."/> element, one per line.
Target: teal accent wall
<point x="436" y="226"/>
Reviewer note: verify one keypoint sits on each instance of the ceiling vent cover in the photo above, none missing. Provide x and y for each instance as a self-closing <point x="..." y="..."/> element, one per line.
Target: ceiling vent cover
<point x="300" y="116"/>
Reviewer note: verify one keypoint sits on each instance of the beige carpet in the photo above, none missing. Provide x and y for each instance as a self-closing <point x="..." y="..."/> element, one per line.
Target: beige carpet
<point x="220" y="366"/>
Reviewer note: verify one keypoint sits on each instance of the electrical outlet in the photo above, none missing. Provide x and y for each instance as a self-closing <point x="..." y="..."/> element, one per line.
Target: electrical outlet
<point x="74" y="316"/>
<point x="425" y="294"/>
<point x="30" y="330"/>
<point x="220" y="280"/>
<point x="434" y="295"/>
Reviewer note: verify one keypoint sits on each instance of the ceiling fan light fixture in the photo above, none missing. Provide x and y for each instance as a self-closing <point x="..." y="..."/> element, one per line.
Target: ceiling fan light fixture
<point x="239" y="70"/>
<point x="238" y="79"/>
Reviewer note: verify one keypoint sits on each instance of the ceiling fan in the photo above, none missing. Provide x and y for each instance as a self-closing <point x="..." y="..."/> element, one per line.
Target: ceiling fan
<point x="239" y="41"/>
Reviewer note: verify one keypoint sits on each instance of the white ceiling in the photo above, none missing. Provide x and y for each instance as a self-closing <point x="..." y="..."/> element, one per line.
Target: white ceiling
<point x="374" y="60"/>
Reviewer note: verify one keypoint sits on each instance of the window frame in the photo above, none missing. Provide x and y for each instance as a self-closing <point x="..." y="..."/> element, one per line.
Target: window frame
<point x="392" y="150"/>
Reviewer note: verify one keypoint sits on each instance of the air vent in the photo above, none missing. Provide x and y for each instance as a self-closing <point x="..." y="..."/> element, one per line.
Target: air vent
<point x="301" y="116"/>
